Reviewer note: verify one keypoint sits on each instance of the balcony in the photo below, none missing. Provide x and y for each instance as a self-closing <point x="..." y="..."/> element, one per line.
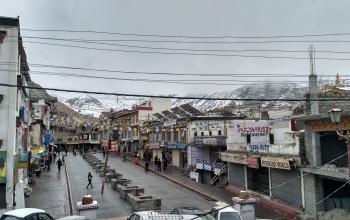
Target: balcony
<point x="329" y="171"/>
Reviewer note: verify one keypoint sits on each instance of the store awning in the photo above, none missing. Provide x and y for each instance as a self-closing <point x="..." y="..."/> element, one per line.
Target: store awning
<point x="37" y="150"/>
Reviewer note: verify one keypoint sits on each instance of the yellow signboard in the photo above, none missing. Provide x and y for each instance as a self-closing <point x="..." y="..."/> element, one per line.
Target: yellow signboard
<point x="275" y="162"/>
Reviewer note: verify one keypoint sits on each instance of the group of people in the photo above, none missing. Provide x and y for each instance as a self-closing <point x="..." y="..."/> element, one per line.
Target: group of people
<point x="158" y="161"/>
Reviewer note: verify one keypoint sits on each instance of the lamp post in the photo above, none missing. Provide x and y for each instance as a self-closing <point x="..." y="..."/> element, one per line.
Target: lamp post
<point x="108" y="146"/>
<point x="335" y="115"/>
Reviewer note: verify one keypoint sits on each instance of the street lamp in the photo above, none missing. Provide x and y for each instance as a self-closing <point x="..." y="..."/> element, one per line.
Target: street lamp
<point x="335" y="115"/>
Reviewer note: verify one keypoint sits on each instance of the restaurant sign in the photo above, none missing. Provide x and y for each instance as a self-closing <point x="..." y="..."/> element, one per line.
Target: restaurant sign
<point x="234" y="158"/>
<point x="275" y="162"/>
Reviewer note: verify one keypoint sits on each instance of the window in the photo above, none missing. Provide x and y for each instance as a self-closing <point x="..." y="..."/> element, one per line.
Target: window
<point x="4" y="217"/>
<point x="272" y="139"/>
<point x="210" y="133"/>
<point x="202" y="133"/>
<point x="219" y="133"/>
<point x="229" y="216"/>
<point x="248" y="138"/>
<point x="69" y="139"/>
<point x="44" y="216"/>
<point x="195" y="133"/>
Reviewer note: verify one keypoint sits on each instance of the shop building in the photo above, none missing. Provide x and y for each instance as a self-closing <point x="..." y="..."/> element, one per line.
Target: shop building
<point x="326" y="165"/>
<point x="261" y="155"/>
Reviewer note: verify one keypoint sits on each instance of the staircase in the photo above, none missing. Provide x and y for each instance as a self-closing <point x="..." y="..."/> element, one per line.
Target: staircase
<point x="216" y="177"/>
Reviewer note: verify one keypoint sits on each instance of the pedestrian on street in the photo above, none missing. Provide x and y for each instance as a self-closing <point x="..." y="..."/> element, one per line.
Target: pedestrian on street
<point x="165" y="163"/>
<point x="159" y="164"/>
<point x="90" y="180"/>
<point x="104" y="153"/>
<point x="66" y="150"/>
<point x="155" y="162"/>
<point x="124" y="155"/>
<point x="59" y="164"/>
<point x="50" y="157"/>
<point x="54" y="156"/>
<point x="64" y="163"/>
<point x="47" y="163"/>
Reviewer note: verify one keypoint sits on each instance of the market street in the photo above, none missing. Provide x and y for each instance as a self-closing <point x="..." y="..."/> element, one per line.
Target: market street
<point x="50" y="193"/>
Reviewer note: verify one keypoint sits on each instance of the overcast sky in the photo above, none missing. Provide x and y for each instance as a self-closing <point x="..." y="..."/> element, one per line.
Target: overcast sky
<point x="180" y="17"/>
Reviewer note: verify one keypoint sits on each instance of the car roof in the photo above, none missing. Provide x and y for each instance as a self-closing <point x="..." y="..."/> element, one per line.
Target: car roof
<point x="21" y="213"/>
<point x="227" y="209"/>
<point x="74" y="217"/>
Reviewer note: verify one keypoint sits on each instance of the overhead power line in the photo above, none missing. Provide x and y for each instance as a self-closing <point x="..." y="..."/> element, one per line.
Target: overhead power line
<point x="172" y="97"/>
<point x="185" y="53"/>
<point x="183" y="36"/>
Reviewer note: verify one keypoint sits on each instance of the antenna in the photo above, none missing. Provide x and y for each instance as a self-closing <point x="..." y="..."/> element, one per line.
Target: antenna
<point x="312" y="59"/>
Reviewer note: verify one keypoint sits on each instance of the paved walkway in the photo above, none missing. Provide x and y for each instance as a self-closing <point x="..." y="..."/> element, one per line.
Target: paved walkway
<point x="50" y="193"/>
<point x="110" y="204"/>
<point x="209" y="192"/>
<point x="172" y="195"/>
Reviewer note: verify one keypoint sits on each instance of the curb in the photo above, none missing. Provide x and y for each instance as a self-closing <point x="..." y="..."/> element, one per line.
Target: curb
<point x="205" y="195"/>
<point x="70" y="198"/>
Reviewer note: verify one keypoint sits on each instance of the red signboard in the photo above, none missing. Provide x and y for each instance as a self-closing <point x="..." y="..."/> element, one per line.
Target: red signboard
<point x="253" y="162"/>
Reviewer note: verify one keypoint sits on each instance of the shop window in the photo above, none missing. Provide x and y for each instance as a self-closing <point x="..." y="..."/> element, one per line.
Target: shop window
<point x="219" y="133"/>
<point x="272" y="139"/>
<point x="248" y="138"/>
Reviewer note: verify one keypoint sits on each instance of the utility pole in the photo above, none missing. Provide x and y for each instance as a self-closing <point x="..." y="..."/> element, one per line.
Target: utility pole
<point x="108" y="146"/>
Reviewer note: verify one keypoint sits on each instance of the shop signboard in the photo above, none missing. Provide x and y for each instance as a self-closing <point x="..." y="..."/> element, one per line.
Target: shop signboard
<point x="153" y="145"/>
<point x="253" y="162"/>
<point x="275" y="162"/>
<point x="198" y="144"/>
<point x="194" y="176"/>
<point x="181" y="146"/>
<point x="217" y="167"/>
<point x="207" y="166"/>
<point x="199" y="165"/>
<point x="172" y="145"/>
<point x="2" y="166"/>
<point x="234" y="157"/>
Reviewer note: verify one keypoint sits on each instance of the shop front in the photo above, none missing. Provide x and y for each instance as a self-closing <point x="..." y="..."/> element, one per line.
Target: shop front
<point x="154" y="148"/>
<point x="236" y="164"/>
<point x="182" y="155"/>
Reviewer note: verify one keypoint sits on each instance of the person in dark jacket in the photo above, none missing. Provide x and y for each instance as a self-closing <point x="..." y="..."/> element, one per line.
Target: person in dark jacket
<point x="59" y="164"/>
<point x="90" y="180"/>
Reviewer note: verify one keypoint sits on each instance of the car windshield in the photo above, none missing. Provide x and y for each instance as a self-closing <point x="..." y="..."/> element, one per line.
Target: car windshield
<point x="8" y="217"/>
<point x="229" y="216"/>
<point x="191" y="211"/>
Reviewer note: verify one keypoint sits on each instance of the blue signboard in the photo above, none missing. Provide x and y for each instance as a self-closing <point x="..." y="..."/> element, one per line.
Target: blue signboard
<point x="181" y="146"/>
<point x="171" y="145"/>
<point x="47" y="138"/>
<point x="207" y="166"/>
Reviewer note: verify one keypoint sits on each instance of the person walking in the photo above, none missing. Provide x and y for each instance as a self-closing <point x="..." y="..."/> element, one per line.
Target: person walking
<point x="66" y="150"/>
<point x="50" y="157"/>
<point x="59" y="164"/>
<point x="47" y="164"/>
<point x="155" y="162"/>
<point x="165" y="163"/>
<point x="54" y="156"/>
<point x="104" y="153"/>
<point x="64" y="163"/>
<point x="159" y="164"/>
<point x="90" y="180"/>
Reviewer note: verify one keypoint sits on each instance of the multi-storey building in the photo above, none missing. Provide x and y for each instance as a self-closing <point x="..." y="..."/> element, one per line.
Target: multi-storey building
<point x="325" y="171"/>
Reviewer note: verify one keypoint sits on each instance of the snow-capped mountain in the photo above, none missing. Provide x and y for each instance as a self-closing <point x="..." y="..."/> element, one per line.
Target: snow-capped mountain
<point x="259" y="91"/>
<point x="94" y="105"/>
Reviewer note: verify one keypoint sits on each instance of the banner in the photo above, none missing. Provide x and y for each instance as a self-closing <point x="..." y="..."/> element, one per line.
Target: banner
<point x="275" y="162"/>
<point x="234" y="158"/>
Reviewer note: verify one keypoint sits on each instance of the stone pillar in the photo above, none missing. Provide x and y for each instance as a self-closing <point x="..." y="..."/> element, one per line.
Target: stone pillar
<point x="313" y="189"/>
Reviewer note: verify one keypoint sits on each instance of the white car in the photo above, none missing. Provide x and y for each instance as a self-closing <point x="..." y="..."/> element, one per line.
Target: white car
<point x="225" y="213"/>
<point x="26" y="214"/>
<point x="74" y="217"/>
<point x="155" y="215"/>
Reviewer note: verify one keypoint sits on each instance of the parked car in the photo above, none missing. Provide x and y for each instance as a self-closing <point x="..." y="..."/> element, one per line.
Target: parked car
<point x="188" y="211"/>
<point x="146" y="215"/>
<point x="225" y="213"/>
<point x="74" y="217"/>
<point x="26" y="214"/>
